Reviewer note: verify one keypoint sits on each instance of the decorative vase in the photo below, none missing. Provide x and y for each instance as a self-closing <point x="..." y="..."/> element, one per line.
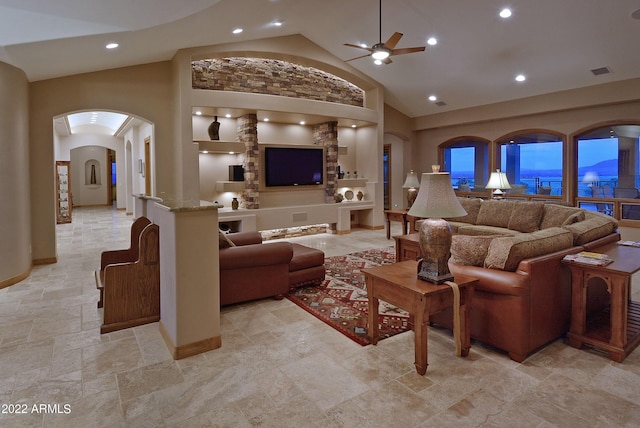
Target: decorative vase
<point x="214" y="129"/>
<point x="235" y="204"/>
<point x="360" y="195"/>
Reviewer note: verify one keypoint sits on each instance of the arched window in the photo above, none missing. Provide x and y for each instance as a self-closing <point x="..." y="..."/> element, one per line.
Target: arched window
<point x="608" y="165"/>
<point x="533" y="161"/>
<point x="467" y="160"/>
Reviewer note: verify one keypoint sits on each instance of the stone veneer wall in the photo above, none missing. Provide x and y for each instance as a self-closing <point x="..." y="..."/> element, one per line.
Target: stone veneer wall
<point x="326" y="134"/>
<point x="273" y="77"/>
<point x="247" y="131"/>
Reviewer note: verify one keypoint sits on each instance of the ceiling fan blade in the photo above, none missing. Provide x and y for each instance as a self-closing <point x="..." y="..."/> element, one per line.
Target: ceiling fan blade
<point x="358" y="57"/>
<point x="357" y="46"/>
<point x="407" y="50"/>
<point x="393" y="40"/>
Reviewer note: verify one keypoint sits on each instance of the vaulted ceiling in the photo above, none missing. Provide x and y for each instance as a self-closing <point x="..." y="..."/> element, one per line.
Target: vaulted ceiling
<point x="554" y="44"/>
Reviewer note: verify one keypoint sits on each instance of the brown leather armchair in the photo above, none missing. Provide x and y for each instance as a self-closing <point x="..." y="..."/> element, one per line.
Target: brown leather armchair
<point x="251" y="270"/>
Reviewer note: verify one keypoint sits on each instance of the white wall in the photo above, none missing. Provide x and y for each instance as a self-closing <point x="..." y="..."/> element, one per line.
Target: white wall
<point x="15" y="214"/>
<point x="82" y="191"/>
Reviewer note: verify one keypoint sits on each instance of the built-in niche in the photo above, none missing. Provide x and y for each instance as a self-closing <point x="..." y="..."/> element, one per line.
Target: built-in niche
<point x="92" y="173"/>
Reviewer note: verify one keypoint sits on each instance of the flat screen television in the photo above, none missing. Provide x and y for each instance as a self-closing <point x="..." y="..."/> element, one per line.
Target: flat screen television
<point x="293" y="166"/>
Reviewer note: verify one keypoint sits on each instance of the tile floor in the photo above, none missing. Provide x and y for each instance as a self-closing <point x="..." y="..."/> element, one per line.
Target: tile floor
<point x="278" y="365"/>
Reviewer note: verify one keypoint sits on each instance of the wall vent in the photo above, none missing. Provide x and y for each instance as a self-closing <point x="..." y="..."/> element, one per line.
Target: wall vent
<point x="441" y="103"/>
<point x="600" y="71"/>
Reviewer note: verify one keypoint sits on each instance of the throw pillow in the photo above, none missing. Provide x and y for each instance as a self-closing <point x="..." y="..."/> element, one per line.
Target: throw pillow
<point x="525" y="216"/>
<point x="505" y="253"/>
<point x="472" y="207"/>
<point x="469" y="250"/>
<point x="224" y="241"/>
<point x="495" y="213"/>
<point x="558" y="215"/>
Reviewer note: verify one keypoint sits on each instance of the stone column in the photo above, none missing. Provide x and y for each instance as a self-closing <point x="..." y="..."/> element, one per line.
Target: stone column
<point x="326" y="134"/>
<point x="247" y="130"/>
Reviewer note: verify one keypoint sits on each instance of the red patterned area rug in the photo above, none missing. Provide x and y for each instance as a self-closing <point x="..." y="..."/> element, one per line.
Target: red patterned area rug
<point x="341" y="300"/>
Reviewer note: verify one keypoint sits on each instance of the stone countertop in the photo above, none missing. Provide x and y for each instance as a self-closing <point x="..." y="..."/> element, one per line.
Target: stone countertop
<point x="187" y="206"/>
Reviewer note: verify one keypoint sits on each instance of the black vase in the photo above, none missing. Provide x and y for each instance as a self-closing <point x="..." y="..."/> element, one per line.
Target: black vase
<point x="214" y="129"/>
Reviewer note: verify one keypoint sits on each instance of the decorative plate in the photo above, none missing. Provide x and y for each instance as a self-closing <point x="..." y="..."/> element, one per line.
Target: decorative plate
<point x="349" y="195"/>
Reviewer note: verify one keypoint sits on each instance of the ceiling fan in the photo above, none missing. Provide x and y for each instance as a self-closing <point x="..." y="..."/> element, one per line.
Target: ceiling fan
<point x="382" y="52"/>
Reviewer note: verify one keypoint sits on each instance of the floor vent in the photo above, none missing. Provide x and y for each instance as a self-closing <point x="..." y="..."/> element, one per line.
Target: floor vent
<point x="600" y="71"/>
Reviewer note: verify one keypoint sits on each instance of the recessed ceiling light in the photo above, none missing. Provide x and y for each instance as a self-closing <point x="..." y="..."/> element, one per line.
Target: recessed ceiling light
<point x="237" y="31"/>
<point x="521" y="78"/>
<point x="432" y="41"/>
<point x="232" y="153"/>
<point x="505" y="13"/>
<point x="353" y="126"/>
<point x="228" y="115"/>
<point x="277" y="23"/>
<point x="433" y="98"/>
<point x="302" y="122"/>
<point x="266" y="119"/>
<point x="198" y="113"/>
<point x="112" y="45"/>
<point x="205" y="152"/>
<point x="363" y="45"/>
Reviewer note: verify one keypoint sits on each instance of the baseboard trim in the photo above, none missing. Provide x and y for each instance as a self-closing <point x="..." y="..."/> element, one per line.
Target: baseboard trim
<point x="184" y="351"/>
<point x="47" y="261"/>
<point x="16" y="279"/>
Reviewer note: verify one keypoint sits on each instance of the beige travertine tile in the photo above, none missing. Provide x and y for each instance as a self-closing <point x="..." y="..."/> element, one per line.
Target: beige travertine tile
<point x="278" y="365"/>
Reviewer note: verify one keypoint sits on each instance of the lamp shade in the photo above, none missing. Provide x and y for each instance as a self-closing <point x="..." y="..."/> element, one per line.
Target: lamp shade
<point x="436" y="198"/>
<point x="498" y="180"/>
<point x="412" y="181"/>
<point x="590" y="177"/>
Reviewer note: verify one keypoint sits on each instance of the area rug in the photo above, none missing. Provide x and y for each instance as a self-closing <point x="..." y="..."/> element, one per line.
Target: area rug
<point x="341" y="300"/>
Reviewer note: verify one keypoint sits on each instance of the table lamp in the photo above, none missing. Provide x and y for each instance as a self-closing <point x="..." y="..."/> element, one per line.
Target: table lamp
<point x="412" y="184"/>
<point x="498" y="181"/>
<point x="435" y="201"/>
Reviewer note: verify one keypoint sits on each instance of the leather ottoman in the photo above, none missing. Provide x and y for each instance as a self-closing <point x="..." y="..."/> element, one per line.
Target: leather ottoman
<point x="306" y="266"/>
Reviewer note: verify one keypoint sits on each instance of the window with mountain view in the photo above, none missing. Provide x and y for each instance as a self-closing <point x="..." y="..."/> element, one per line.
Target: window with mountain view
<point x="608" y="167"/>
<point x="467" y="160"/>
<point x="532" y="162"/>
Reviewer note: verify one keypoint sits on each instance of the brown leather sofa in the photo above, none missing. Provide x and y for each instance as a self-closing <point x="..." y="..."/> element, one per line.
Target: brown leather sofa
<point x="520" y="312"/>
<point x="252" y="270"/>
<point x="523" y="298"/>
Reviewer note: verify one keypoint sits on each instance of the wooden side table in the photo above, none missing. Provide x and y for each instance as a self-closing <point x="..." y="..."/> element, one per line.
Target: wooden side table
<point x="398" y="284"/>
<point x="396" y="215"/>
<point x="618" y="333"/>
<point x="407" y="247"/>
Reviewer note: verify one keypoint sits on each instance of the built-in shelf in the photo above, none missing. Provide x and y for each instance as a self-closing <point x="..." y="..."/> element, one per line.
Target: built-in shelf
<point x="352" y="182"/>
<point x="230" y="186"/>
<point x="220" y="146"/>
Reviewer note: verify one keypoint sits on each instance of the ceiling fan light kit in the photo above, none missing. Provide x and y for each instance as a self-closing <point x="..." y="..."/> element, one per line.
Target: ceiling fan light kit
<point x="382" y="52"/>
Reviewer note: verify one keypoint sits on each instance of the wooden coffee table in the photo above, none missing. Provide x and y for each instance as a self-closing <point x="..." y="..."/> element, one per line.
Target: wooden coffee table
<point x="619" y="332"/>
<point x="398" y="284"/>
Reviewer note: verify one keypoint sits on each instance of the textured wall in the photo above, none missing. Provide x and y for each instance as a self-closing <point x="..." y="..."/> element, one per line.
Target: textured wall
<point x="273" y="77"/>
<point x="326" y="134"/>
<point x="247" y="129"/>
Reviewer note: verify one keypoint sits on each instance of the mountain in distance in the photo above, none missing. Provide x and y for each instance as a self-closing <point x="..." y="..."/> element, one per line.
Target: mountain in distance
<point x="603" y="168"/>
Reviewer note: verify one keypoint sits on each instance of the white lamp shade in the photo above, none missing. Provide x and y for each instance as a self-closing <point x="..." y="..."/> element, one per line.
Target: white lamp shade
<point x="590" y="177"/>
<point x="498" y="180"/>
<point x="436" y="198"/>
<point x="412" y="181"/>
